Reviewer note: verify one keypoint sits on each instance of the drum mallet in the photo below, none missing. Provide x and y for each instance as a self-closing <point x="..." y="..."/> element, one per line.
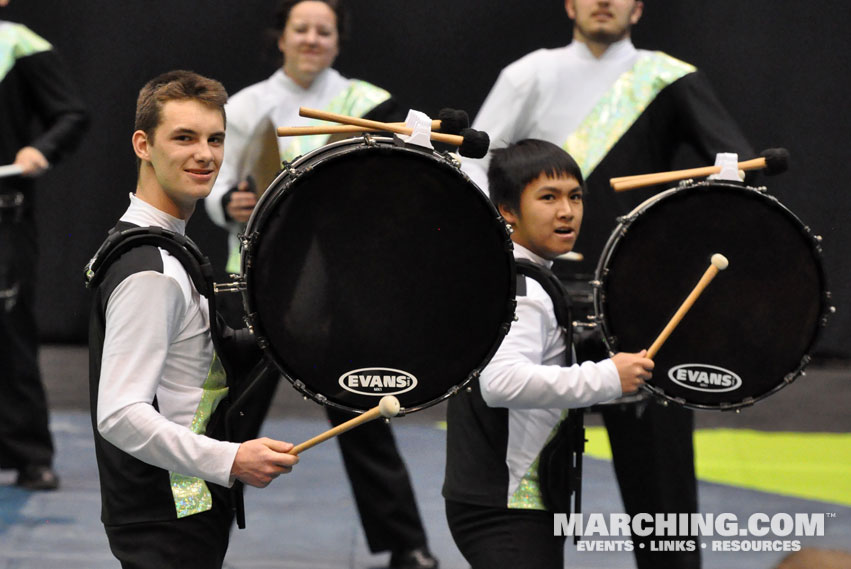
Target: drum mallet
<point x="448" y="121"/>
<point x="773" y="160"/>
<point x="387" y="407"/>
<point x="718" y="262"/>
<point x="471" y="143"/>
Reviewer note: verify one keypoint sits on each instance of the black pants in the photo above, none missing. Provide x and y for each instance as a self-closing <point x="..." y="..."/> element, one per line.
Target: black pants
<point x="503" y="538"/>
<point x="653" y="455"/>
<point x="24" y="435"/>
<point x="378" y="476"/>
<point x="199" y="541"/>
<point x="380" y="484"/>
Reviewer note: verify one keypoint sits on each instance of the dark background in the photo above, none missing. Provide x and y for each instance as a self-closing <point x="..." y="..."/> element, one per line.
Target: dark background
<point x="781" y="67"/>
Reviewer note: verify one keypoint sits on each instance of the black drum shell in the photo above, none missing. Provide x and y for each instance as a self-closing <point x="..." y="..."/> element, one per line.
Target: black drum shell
<point x="382" y="261"/>
<point x="757" y="320"/>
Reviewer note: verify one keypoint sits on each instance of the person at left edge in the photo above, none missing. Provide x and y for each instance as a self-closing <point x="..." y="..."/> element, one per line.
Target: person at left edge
<point x="35" y="89"/>
<point x="155" y="379"/>
<point x="308" y="37"/>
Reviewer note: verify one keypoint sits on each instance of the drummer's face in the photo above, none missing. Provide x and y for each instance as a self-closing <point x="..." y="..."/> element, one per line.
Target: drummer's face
<point x="183" y="155"/>
<point x="309" y="41"/>
<point x="550" y="216"/>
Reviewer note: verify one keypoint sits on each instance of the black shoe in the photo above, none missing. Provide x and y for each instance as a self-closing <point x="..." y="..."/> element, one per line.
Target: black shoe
<point x="37" y="478"/>
<point x="419" y="558"/>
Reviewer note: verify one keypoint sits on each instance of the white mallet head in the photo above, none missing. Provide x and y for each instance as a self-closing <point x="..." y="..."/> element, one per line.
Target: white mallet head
<point x="720" y="261"/>
<point x="389" y="406"/>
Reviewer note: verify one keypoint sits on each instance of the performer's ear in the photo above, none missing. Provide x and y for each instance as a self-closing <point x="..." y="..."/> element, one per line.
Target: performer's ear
<point x="570" y="8"/>
<point x="140" y="145"/>
<point x="637" y="11"/>
<point x="508" y="214"/>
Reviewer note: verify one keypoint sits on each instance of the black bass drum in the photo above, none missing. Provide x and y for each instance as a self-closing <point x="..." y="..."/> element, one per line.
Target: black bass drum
<point x="751" y="331"/>
<point x="375" y="268"/>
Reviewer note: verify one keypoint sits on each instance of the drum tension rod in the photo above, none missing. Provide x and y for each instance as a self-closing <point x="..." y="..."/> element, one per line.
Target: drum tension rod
<point x="234" y="286"/>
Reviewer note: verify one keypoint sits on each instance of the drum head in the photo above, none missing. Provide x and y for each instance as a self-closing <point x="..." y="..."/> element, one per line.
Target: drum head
<point x="377" y="269"/>
<point x="750" y="331"/>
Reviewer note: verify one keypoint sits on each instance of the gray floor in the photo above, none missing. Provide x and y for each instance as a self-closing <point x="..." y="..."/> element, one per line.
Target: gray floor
<point x="307" y="519"/>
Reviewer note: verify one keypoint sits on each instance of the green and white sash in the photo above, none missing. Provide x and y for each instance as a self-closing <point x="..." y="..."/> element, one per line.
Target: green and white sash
<point x="620" y="107"/>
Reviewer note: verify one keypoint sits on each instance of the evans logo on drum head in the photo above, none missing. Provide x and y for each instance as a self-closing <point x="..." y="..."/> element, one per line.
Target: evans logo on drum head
<point x="705" y="377"/>
<point x="377" y="381"/>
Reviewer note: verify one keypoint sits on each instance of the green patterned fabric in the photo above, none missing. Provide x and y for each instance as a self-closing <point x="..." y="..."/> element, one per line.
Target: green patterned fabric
<point x="619" y="108"/>
<point x="17" y="41"/>
<point x="528" y="493"/>
<point x="191" y="495"/>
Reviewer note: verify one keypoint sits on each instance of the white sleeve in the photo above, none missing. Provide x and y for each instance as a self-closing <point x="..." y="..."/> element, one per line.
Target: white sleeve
<point x="142" y="317"/>
<point x="516" y="379"/>
<point x="502" y="117"/>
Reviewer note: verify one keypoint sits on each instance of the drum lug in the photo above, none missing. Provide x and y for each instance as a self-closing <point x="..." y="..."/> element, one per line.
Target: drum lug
<point x="685" y="183"/>
<point x="246" y="243"/>
<point x="451" y="158"/>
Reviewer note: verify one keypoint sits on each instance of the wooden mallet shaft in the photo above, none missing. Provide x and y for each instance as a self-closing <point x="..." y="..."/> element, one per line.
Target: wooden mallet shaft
<point x="640" y="180"/>
<point x="453" y="139"/>
<point x="718" y="263"/>
<point x="338" y="129"/>
<point x="387" y="407"/>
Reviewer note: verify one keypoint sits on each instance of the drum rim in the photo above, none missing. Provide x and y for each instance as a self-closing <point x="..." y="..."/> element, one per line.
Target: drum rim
<point x="617" y="235"/>
<point x="278" y="190"/>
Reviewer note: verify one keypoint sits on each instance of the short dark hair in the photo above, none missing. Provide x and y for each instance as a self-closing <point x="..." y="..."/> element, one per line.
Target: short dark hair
<point x="512" y="169"/>
<point x="176" y="86"/>
<point x="282" y="14"/>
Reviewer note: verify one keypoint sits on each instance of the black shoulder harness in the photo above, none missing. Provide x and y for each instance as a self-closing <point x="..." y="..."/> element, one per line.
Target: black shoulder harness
<point x="197" y="265"/>
<point x="553" y="287"/>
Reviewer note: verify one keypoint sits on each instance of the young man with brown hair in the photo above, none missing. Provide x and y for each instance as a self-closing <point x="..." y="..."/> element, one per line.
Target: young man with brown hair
<point x="156" y="381"/>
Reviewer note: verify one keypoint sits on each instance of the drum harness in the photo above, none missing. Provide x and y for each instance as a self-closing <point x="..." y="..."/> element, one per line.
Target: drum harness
<point x="560" y="461"/>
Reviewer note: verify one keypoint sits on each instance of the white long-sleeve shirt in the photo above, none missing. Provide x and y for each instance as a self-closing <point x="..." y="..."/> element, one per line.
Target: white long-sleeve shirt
<point x="157" y="344"/>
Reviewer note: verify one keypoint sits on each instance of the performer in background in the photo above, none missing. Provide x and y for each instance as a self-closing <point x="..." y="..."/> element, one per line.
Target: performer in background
<point x="35" y="91"/>
<point x="618" y="110"/>
<point x="497" y="432"/>
<point x="155" y="379"/>
<point x="309" y="34"/>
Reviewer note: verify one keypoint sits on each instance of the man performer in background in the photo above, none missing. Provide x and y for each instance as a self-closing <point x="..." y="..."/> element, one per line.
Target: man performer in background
<point x="618" y="110"/>
<point x="35" y="90"/>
